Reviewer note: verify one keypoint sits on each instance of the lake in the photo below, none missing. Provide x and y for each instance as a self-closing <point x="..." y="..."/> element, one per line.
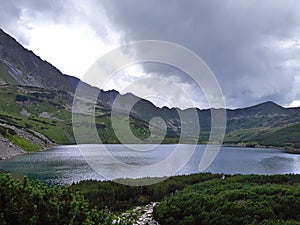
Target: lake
<point x="66" y="164"/>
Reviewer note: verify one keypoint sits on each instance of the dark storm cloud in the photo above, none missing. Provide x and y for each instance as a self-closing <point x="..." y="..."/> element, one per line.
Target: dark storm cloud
<point x="253" y="47"/>
<point x="242" y="41"/>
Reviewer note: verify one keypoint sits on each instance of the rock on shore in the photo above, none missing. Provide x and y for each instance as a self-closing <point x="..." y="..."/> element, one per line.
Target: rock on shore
<point x="8" y="150"/>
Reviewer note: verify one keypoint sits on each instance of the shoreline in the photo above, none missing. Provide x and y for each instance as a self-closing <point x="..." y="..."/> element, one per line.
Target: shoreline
<point x="26" y="139"/>
<point x="9" y="150"/>
<point x="286" y="149"/>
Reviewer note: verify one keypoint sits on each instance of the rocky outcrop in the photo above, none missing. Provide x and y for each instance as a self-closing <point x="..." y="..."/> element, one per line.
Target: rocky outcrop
<point x="140" y="215"/>
<point x="19" y="66"/>
<point x="8" y="149"/>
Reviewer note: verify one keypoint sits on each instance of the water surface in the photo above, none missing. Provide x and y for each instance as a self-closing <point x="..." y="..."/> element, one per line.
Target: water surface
<point x="65" y="164"/>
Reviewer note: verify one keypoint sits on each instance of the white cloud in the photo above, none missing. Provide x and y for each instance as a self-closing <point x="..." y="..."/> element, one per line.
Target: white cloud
<point x="162" y="90"/>
<point x="295" y="103"/>
<point x="72" y="47"/>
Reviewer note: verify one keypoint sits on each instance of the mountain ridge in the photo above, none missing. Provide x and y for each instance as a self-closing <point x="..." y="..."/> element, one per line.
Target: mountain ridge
<point x="66" y="82"/>
<point x="37" y="97"/>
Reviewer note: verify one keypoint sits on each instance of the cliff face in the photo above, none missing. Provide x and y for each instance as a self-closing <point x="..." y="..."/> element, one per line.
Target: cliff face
<point x="19" y="66"/>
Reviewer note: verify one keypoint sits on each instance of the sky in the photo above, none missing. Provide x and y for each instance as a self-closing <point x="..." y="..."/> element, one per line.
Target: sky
<point x="252" y="47"/>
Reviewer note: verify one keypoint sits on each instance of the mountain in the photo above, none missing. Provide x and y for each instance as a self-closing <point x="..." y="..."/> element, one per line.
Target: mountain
<point x="267" y="124"/>
<point x="19" y="66"/>
<point x="36" y="105"/>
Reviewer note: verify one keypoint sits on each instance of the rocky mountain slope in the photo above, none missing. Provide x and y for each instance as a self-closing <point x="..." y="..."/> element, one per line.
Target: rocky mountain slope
<point x="36" y="98"/>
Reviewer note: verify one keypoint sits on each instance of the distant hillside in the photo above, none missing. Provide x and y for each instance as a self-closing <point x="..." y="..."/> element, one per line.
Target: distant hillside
<point x="37" y="97"/>
<point x="267" y="124"/>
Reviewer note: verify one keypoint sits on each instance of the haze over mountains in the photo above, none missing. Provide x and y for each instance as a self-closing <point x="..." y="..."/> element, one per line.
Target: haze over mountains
<point x="36" y="103"/>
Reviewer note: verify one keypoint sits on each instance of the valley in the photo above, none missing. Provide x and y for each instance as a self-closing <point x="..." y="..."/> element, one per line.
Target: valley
<point x="149" y="112"/>
<point x="37" y="99"/>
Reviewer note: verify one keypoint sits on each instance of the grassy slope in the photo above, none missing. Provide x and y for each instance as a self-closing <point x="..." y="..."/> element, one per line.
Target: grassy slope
<point x="286" y="136"/>
<point x="16" y="101"/>
<point x="18" y="140"/>
<point x="57" y="128"/>
<point x="23" y="107"/>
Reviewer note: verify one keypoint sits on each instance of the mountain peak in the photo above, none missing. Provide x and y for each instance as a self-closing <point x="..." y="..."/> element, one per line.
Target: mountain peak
<point x="269" y="104"/>
<point x="268" y="107"/>
<point x="19" y="66"/>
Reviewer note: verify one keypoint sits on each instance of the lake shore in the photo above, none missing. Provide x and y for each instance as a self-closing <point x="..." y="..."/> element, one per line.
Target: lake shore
<point x="9" y="150"/>
<point x="286" y="149"/>
<point x="64" y="165"/>
<point x="15" y="141"/>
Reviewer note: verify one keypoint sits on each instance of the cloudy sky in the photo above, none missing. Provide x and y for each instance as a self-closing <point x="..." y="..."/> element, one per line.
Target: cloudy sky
<point x="252" y="47"/>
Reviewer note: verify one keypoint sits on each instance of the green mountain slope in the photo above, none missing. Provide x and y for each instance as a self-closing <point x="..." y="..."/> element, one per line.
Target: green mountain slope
<point x="36" y="97"/>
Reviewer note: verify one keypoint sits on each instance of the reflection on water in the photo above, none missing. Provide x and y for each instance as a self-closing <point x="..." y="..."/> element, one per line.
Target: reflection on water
<point x="296" y="165"/>
<point x="277" y="163"/>
<point x="65" y="164"/>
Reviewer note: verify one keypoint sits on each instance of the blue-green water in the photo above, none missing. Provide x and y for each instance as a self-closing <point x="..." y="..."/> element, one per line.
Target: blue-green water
<point x="65" y="164"/>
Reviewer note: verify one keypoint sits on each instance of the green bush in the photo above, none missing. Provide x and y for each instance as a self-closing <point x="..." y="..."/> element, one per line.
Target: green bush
<point x="34" y="203"/>
<point x="5" y="131"/>
<point x="117" y="197"/>
<point x="237" y="200"/>
<point x="184" y="200"/>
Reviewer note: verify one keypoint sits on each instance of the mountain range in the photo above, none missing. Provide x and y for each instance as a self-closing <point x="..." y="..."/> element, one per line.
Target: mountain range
<point x="36" y="111"/>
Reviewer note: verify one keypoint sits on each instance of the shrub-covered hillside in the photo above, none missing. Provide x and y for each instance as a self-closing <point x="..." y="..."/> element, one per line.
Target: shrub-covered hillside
<point x="249" y="199"/>
<point x="27" y="203"/>
<point x="192" y="199"/>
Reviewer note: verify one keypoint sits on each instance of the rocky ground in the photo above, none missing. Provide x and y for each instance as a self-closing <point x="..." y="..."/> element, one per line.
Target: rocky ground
<point x="140" y="215"/>
<point x="8" y="149"/>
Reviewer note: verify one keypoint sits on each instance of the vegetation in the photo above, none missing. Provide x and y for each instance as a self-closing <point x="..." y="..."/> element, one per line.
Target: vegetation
<point x="18" y="140"/>
<point x="40" y="97"/>
<point x="49" y="113"/>
<point x="119" y="197"/>
<point x="23" y="143"/>
<point x="192" y="199"/>
<point x="24" y="107"/>
<point x="88" y="202"/>
<point x="284" y="137"/>
<point x="35" y="203"/>
<point x="249" y="199"/>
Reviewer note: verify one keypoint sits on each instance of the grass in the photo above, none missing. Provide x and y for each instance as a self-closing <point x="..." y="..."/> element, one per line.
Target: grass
<point x="58" y="126"/>
<point x="23" y="143"/>
<point x="245" y="135"/>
